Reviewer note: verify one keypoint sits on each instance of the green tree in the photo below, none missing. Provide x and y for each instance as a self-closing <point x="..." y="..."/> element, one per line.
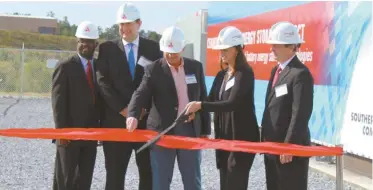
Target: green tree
<point x="73" y="30"/>
<point x="110" y="33"/>
<point x="154" y="36"/>
<point x="100" y="31"/>
<point x="51" y="14"/>
<point x="64" y="28"/>
<point x="143" y="34"/>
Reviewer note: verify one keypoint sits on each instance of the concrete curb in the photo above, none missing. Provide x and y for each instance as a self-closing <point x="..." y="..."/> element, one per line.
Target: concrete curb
<point x="352" y="179"/>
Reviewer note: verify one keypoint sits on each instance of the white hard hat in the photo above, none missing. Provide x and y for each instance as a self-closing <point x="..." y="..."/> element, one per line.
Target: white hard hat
<point x="172" y="40"/>
<point x="229" y="37"/>
<point x="127" y="13"/>
<point x="87" y="30"/>
<point x="284" y="33"/>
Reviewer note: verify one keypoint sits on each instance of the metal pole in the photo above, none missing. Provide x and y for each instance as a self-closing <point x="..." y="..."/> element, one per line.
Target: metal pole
<point x="22" y="67"/>
<point x="339" y="170"/>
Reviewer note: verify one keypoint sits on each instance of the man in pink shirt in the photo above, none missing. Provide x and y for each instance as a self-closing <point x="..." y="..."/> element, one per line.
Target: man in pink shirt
<point x="171" y="82"/>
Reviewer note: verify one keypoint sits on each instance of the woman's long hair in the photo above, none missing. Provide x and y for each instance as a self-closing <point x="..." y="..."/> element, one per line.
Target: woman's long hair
<point x="239" y="62"/>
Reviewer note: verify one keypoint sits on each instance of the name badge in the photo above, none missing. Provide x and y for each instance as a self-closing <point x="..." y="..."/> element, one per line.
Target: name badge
<point x="190" y="79"/>
<point x="281" y="90"/>
<point x="229" y="84"/>
<point x="143" y="61"/>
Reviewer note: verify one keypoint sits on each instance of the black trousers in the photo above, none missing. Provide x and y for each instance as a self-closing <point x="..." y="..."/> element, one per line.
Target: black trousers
<point x="238" y="177"/>
<point x="117" y="156"/>
<point x="74" y="165"/>
<point x="290" y="176"/>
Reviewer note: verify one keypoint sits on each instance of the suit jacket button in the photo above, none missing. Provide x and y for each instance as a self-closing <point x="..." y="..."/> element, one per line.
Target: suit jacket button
<point x="176" y="108"/>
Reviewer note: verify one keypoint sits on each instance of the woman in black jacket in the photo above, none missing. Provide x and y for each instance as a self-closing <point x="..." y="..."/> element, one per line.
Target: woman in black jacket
<point x="232" y="100"/>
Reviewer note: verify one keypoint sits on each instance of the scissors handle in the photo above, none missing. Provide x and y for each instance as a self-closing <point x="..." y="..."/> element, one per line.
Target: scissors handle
<point x="181" y="118"/>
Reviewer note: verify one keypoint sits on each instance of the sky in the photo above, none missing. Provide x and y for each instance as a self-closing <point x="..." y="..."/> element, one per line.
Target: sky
<point x="245" y="9"/>
<point x="103" y="13"/>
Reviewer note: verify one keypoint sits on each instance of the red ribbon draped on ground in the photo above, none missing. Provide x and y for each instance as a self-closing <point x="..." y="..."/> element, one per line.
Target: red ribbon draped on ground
<point x="170" y="141"/>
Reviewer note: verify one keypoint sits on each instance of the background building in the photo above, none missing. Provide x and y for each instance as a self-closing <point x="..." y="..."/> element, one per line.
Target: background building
<point x="43" y="25"/>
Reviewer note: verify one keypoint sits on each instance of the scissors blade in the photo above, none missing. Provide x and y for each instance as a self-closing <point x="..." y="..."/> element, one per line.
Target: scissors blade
<point x="181" y="118"/>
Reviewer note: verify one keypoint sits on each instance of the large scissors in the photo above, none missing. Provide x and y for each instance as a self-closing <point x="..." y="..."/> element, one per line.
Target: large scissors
<point x="181" y="118"/>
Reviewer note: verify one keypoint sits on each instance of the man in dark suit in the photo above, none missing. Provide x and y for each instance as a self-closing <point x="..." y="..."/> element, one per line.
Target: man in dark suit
<point x="171" y="82"/>
<point x="288" y="107"/>
<point x="120" y="68"/>
<point x="76" y="103"/>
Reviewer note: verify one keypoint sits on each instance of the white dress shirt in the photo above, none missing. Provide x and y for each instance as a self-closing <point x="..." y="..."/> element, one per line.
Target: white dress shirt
<point x="284" y="64"/>
<point x="135" y="47"/>
<point x="84" y="62"/>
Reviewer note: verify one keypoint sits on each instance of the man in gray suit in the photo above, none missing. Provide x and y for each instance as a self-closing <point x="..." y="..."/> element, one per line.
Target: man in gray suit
<point x="171" y="83"/>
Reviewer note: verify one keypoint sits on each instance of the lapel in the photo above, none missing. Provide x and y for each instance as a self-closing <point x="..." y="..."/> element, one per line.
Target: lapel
<point x="219" y="82"/>
<point x="189" y="71"/>
<point x="94" y="72"/>
<point x="94" y="67"/>
<point x="281" y="77"/>
<point x="124" y="55"/>
<point x="80" y="73"/>
<point x="121" y="47"/>
<point x="140" y="52"/>
<point x="169" y="78"/>
<point x="139" y="70"/>
<point x="269" y="87"/>
<point x="141" y="49"/>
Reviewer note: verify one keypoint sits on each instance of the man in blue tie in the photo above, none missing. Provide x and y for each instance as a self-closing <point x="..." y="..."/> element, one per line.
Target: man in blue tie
<point x="131" y="59"/>
<point x="120" y="68"/>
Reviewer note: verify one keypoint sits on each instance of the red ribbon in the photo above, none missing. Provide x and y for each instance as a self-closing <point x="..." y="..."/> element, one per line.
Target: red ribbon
<point x="170" y="141"/>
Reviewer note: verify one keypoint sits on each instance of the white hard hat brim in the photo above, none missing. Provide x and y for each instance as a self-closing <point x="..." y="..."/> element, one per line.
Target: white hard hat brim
<point x="220" y="47"/>
<point x="87" y="37"/>
<point x="171" y="50"/>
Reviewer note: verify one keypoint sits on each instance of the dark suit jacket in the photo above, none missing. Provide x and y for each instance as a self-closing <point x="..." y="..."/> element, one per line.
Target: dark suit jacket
<point x="285" y="118"/>
<point x="158" y="85"/>
<point x="236" y="106"/>
<point x="115" y="81"/>
<point x="72" y="98"/>
<point x="234" y="112"/>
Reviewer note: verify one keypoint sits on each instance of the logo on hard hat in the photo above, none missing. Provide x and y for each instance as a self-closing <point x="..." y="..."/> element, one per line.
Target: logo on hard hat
<point x="170" y="45"/>
<point x="87" y="29"/>
<point x="237" y="37"/>
<point x="124" y="17"/>
<point x="289" y="34"/>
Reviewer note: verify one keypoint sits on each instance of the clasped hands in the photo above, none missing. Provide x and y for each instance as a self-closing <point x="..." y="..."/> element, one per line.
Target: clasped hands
<point x="191" y="107"/>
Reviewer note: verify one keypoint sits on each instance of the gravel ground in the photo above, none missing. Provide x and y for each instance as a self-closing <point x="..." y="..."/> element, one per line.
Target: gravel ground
<point x="27" y="164"/>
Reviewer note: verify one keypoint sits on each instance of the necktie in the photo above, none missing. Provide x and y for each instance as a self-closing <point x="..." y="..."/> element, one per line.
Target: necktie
<point x="276" y="76"/>
<point x="131" y="60"/>
<point x="89" y="77"/>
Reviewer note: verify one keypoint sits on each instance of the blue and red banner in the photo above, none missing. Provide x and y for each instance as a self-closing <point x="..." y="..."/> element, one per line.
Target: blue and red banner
<point x="337" y="37"/>
<point x="313" y="29"/>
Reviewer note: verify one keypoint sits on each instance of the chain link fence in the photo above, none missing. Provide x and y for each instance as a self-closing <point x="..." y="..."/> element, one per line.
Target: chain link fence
<point x="28" y="72"/>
